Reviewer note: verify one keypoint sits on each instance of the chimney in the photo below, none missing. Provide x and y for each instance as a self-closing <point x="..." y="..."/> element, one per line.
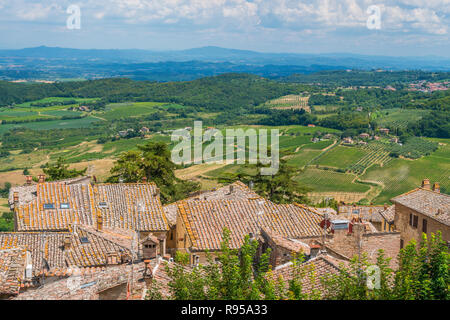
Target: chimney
<point x="16" y="198"/>
<point x="41" y="178"/>
<point x="436" y="187"/>
<point x="231" y="188"/>
<point x="385" y="206"/>
<point x="29" y="180"/>
<point x="99" y="222"/>
<point x="426" y="184"/>
<point x="157" y="192"/>
<point x="144" y="179"/>
<point x="67" y="242"/>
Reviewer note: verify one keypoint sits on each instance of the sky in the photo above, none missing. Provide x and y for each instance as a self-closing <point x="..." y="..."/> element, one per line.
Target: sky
<point x="379" y="27"/>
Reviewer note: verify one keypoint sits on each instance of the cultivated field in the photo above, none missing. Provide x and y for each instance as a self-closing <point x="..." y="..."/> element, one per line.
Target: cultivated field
<point x="294" y="102"/>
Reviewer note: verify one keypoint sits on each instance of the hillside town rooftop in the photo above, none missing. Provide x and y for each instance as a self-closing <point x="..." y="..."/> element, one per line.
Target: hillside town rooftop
<point x="433" y="204"/>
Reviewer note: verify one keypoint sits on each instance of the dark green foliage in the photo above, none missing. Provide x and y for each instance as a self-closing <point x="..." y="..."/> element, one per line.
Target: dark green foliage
<point x="4" y="192"/>
<point x="7" y="222"/>
<point x="153" y="161"/>
<point x="321" y="99"/>
<point x="436" y="124"/>
<point x="286" y="117"/>
<point x="365" y="78"/>
<point x="423" y="274"/>
<point x="60" y="170"/>
<point x="281" y="187"/>
<point x="424" y="270"/>
<point x="414" y="148"/>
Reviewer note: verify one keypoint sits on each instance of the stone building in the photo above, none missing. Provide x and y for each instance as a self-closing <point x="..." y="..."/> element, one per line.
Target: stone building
<point x="379" y="216"/>
<point x="354" y="238"/>
<point x="232" y="192"/>
<point x="283" y="249"/>
<point x="321" y="267"/>
<point x="422" y="210"/>
<point x="55" y="206"/>
<point x="200" y="224"/>
<point x="75" y="225"/>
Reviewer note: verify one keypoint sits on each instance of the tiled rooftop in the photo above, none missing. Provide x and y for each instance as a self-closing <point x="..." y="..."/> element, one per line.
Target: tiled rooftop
<point x="42" y="245"/>
<point x="234" y="191"/>
<point x="293" y="245"/>
<point x="57" y="205"/>
<point x="58" y="260"/>
<point x="205" y="220"/>
<point x="389" y="214"/>
<point x="367" y="213"/>
<point x="86" y="286"/>
<point x="12" y="268"/>
<point x="433" y="204"/>
<point x="322" y="266"/>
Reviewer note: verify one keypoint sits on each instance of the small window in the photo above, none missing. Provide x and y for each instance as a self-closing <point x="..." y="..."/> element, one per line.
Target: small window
<point x="84" y="240"/>
<point x="102" y="205"/>
<point x="424" y="226"/>
<point x="64" y="206"/>
<point x="401" y="243"/>
<point x="49" y="206"/>
<point x="410" y="219"/>
<point x="416" y="221"/>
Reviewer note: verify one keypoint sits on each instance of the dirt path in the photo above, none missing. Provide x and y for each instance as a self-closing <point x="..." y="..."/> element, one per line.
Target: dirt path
<point x="197" y="170"/>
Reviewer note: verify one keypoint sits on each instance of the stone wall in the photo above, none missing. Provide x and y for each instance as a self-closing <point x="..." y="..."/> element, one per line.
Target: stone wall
<point x="359" y="241"/>
<point x="409" y="232"/>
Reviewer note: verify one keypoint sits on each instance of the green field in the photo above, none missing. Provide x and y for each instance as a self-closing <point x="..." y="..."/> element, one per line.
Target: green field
<point x="341" y="157"/>
<point x="302" y="158"/>
<point x="55" y="99"/>
<point x="399" y="117"/>
<point x="124" y="110"/>
<point x="401" y="175"/>
<point x="329" y="181"/>
<point x="55" y="124"/>
<point x="371" y="163"/>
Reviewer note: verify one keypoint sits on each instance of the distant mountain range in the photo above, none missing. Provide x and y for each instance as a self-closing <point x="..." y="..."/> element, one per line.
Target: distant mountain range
<point x="61" y="63"/>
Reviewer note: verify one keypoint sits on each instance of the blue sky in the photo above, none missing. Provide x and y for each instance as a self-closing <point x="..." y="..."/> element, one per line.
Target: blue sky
<point x="408" y="27"/>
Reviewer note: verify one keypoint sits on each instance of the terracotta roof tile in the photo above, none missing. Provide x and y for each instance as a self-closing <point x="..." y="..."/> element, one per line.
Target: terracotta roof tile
<point x="235" y="191"/>
<point x="432" y="204"/>
<point x="367" y="213"/>
<point x="12" y="268"/>
<point x="57" y="205"/>
<point x="321" y="266"/>
<point x="205" y="220"/>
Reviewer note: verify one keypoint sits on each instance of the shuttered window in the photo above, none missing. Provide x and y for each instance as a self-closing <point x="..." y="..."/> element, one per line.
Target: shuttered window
<point x="416" y="221"/>
<point x="424" y="226"/>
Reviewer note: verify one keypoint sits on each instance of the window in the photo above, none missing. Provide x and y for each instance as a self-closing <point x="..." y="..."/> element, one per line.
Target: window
<point x="64" y="206"/>
<point x="102" y="205"/>
<point x="84" y="240"/>
<point x="424" y="226"/>
<point x="401" y="243"/>
<point x="416" y="221"/>
<point x="413" y="220"/>
<point x="49" y="206"/>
